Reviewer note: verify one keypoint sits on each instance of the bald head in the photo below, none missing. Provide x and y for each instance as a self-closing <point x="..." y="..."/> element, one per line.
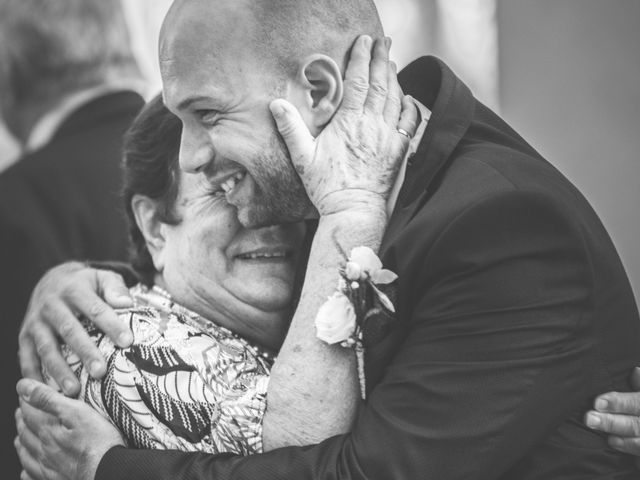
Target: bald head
<point x="283" y="32"/>
<point x="292" y="29"/>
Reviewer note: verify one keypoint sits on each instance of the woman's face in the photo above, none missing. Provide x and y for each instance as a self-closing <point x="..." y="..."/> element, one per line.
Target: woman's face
<point x="239" y="278"/>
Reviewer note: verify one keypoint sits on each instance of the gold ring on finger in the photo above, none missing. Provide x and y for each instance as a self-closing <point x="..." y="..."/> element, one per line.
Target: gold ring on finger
<point x="402" y="131"/>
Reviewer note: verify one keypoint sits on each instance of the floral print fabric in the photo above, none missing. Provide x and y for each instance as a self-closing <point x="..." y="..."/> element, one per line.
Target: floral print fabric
<point x="185" y="383"/>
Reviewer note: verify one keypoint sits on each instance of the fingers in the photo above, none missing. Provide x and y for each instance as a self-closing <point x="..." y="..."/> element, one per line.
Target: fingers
<point x="616" y="402"/>
<point x="31" y="468"/>
<point x="619" y="425"/>
<point x="408" y="120"/>
<point x="625" y="445"/>
<point x="30" y="366"/>
<point x="26" y="438"/>
<point x="356" y="79"/>
<point x="38" y="400"/>
<point x="378" y="76"/>
<point x="25" y="476"/>
<point x="64" y="290"/>
<point x="89" y="302"/>
<point x="294" y="131"/>
<point x="624" y="429"/>
<point x="393" y="107"/>
<point x="86" y="298"/>
<point x="46" y="345"/>
<point x="75" y="335"/>
<point x="113" y="289"/>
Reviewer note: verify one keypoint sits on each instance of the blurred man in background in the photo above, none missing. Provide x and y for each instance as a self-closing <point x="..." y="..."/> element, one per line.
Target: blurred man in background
<point x="69" y="84"/>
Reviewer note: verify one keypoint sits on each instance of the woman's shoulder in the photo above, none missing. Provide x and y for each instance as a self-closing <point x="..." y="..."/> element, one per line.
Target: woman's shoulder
<point x="181" y="363"/>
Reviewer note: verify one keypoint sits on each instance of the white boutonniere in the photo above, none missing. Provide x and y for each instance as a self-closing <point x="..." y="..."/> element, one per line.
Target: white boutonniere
<point x="342" y="317"/>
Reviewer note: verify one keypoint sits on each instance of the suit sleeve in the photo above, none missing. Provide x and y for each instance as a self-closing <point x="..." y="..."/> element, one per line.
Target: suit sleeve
<point x="497" y="353"/>
<point x="21" y="265"/>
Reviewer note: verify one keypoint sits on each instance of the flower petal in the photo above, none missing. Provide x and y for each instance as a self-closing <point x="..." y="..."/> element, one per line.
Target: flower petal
<point x="336" y="319"/>
<point x="353" y="271"/>
<point x="383" y="277"/>
<point x="366" y="258"/>
<point x="384" y="300"/>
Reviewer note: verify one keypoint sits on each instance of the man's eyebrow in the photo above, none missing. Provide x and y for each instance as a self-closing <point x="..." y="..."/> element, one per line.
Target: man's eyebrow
<point x="187" y="102"/>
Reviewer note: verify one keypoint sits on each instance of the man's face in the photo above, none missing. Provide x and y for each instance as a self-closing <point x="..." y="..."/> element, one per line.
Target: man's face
<point x="216" y="83"/>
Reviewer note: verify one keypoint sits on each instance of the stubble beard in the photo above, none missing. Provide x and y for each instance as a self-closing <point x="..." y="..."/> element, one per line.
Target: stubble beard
<point x="279" y="195"/>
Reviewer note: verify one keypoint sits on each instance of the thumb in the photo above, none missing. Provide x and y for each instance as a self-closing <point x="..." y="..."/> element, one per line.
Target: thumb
<point x="40" y="396"/>
<point x="294" y="131"/>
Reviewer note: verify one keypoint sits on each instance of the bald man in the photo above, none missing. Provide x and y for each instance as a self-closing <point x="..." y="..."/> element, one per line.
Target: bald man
<point x="513" y="309"/>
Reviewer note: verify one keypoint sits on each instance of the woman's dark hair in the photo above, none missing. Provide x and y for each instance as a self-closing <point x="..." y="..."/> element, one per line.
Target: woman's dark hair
<point x="151" y="147"/>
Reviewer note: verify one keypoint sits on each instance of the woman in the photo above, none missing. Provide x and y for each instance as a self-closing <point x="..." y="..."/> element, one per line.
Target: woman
<point x="212" y="306"/>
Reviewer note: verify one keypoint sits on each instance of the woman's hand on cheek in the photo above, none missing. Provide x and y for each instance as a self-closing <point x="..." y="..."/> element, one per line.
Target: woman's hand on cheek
<point x="58" y="437"/>
<point x="353" y="162"/>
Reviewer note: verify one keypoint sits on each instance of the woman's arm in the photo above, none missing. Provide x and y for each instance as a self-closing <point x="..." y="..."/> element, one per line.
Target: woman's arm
<point x="313" y="391"/>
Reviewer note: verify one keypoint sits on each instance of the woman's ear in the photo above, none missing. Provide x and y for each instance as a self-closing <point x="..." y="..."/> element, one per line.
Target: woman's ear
<point x="145" y="210"/>
<point x="317" y="91"/>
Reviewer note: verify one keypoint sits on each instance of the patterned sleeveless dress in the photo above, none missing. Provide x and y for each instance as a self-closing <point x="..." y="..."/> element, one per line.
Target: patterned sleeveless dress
<point x="185" y="383"/>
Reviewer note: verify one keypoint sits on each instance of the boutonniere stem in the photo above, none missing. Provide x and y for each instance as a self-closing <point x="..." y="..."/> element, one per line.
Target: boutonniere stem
<point x="341" y="319"/>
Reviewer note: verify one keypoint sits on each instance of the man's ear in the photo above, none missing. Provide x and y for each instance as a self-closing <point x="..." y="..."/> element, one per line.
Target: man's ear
<point x="317" y="91"/>
<point x="145" y="210"/>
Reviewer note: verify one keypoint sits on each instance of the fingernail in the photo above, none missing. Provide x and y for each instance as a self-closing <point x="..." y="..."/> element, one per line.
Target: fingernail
<point x="95" y="368"/>
<point x="26" y="391"/>
<point x="388" y="41"/>
<point x="367" y="41"/>
<point x="602" y="404"/>
<point x="125" y="339"/>
<point x="68" y="386"/>
<point x="277" y="109"/>
<point x="125" y="299"/>
<point x="616" y="442"/>
<point x="593" y="420"/>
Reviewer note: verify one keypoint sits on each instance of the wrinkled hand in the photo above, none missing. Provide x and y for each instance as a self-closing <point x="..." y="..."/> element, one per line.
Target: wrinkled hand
<point x="58" y="437"/>
<point x="618" y="414"/>
<point x="355" y="159"/>
<point x="63" y="293"/>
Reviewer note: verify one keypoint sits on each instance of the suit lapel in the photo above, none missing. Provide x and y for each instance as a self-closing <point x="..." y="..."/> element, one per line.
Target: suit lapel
<point x="452" y="106"/>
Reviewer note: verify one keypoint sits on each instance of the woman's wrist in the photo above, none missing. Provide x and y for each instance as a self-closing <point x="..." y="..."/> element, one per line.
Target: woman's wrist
<point x="370" y="209"/>
<point x="360" y="225"/>
<point x="357" y="202"/>
<point x="360" y="218"/>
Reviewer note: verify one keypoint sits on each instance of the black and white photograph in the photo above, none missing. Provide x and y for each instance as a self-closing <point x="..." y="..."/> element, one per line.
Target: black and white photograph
<point x="320" y="239"/>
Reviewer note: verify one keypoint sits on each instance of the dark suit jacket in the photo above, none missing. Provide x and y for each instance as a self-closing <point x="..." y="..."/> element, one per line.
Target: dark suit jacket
<point x="56" y="204"/>
<point x="514" y="311"/>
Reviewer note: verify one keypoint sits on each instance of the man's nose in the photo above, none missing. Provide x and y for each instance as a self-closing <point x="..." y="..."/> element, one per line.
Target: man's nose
<point x="195" y="152"/>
